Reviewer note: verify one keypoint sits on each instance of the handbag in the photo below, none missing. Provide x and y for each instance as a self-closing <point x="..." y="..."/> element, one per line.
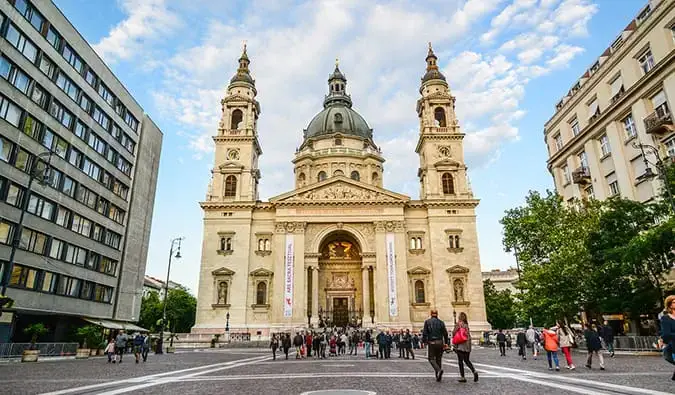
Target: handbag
<point x="461" y="336"/>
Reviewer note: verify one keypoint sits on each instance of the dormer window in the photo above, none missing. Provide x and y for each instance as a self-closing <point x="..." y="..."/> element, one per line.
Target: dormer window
<point x="338" y="118"/>
<point x="338" y="141"/>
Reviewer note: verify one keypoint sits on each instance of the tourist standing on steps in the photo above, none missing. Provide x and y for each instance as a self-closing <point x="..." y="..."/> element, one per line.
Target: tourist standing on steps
<point x="521" y="342"/>
<point x="274" y="344"/>
<point x="436" y="336"/>
<point x="461" y="338"/>
<point x="594" y="345"/>
<point x="566" y="340"/>
<point x="668" y="331"/>
<point x="501" y="340"/>
<point x="551" y="346"/>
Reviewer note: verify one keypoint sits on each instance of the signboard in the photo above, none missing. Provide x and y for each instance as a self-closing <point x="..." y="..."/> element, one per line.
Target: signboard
<point x="391" y="275"/>
<point x="289" y="260"/>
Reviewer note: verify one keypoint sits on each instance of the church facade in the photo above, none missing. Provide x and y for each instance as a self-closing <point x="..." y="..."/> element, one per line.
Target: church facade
<point x="338" y="249"/>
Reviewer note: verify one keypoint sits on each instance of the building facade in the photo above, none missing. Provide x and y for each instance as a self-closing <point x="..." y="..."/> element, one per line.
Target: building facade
<point x="85" y="234"/>
<point x="153" y="284"/>
<point x="338" y="249"/>
<point x="503" y="279"/>
<point x="623" y="99"/>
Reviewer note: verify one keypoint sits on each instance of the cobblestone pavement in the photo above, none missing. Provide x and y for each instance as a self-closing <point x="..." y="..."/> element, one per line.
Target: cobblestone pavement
<point x="254" y="372"/>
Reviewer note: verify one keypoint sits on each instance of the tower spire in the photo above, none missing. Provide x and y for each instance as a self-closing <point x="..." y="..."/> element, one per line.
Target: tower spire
<point x="432" y="68"/>
<point x="337" y="88"/>
<point x="243" y="73"/>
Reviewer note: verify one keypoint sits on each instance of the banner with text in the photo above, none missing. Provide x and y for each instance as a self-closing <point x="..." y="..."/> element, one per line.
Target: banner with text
<point x="391" y="275"/>
<point x="289" y="259"/>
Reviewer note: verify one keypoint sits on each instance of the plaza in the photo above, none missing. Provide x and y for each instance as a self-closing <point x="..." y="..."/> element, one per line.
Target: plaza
<point x="240" y="371"/>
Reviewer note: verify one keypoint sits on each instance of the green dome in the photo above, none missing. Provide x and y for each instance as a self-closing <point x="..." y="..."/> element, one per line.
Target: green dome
<point x="338" y="118"/>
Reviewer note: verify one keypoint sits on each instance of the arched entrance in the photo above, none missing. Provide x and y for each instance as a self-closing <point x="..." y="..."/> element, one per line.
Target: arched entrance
<point x="340" y="293"/>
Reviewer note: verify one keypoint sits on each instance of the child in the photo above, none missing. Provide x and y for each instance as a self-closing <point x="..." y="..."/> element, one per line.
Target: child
<point x="110" y="350"/>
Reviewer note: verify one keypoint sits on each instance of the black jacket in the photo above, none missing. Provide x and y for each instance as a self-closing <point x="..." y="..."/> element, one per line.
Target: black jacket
<point x="521" y="340"/>
<point x="592" y="340"/>
<point x="501" y="338"/>
<point x="286" y="342"/>
<point x="434" y="329"/>
<point x="297" y="341"/>
<point x="607" y="333"/>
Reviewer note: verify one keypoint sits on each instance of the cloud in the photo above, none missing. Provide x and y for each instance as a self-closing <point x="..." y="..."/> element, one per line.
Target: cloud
<point x="147" y="21"/>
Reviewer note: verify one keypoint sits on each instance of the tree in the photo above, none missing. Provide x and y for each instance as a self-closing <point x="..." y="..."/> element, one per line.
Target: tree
<point x="181" y="308"/>
<point x="500" y="306"/>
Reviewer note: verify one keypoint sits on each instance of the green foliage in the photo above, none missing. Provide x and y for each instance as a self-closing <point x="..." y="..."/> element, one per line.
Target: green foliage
<point x="181" y="308"/>
<point x="500" y="306"/>
<point x="90" y="335"/>
<point x="35" y="331"/>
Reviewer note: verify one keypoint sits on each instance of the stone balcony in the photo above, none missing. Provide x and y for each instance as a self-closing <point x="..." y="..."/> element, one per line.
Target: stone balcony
<point x="660" y="121"/>
<point x="581" y="175"/>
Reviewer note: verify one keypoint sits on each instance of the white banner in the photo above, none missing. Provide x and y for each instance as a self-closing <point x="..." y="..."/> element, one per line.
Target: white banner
<point x="289" y="259"/>
<point x="391" y="275"/>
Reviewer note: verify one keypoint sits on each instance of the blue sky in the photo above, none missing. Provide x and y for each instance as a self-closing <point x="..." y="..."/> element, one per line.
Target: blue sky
<point x="507" y="62"/>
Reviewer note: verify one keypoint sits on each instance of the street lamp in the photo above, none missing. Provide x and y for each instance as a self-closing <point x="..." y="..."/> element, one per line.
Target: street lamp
<point x="227" y="326"/>
<point x="660" y="167"/>
<point x="16" y="239"/>
<point x="454" y="316"/>
<point x="166" y="291"/>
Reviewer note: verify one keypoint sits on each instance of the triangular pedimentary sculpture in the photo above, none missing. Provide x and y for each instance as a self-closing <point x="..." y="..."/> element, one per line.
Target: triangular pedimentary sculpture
<point x="223" y="271"/>
<point x="419" y="270"/>
<point x="261" y="272"/>
<point x="340" y="189"/>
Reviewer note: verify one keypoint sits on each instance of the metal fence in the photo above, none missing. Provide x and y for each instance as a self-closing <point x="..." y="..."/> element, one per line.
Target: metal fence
<point x="628" y="343"/>
<point x="12" y="350"/>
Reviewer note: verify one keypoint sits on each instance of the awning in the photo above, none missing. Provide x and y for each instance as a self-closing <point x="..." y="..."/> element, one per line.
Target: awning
<point x="109" y="324"/>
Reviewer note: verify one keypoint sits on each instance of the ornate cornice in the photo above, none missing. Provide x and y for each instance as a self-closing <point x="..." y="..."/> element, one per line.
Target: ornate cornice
<point x="389" y="226"/>
<point x="290" y="227"/>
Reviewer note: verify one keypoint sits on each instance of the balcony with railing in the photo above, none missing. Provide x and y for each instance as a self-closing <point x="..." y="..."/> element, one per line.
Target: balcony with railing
<point x="660" y="121"/>
<point x="581" y="175"/>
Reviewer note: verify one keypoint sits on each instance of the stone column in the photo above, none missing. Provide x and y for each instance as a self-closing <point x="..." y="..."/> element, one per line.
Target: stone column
<point x="367" y="319"/>
<point x="315" y="296"/>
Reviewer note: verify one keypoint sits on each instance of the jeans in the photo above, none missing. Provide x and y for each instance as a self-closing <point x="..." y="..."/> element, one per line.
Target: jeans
<point x="367" y="349"/>
<point x="502" y="348"/>
<point x="610" y="346"/>
<point x="589" y="361"/>
<point x="435" y="354"/>
<point x="144" y="353"/>
<point x="463" y="358"/>
<point x="568" y="356"/>
<point x="381" y="350"/>
<point x="409" y="353"/>
<point x="554" y="355"/>
<point x="521" y="351"/>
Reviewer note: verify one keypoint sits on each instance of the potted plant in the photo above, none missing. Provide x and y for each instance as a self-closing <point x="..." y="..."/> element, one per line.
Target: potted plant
<point x="171" y="338"/>
<point x="101" y="348"/>
<point x="91" y="337"/>
<point x="34" y="331"/>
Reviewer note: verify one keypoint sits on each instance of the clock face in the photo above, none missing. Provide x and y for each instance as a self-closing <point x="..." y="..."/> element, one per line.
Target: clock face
<point x="233" y="154"/>
<point x="444" y="151"/>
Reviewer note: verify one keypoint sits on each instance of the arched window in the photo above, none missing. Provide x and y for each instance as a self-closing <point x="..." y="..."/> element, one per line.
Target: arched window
<point x="236" y="118"/>
<point x="418" y="243"/>
<point x="448" y="184"/>
<point x="337" y="118"/>
<point x="451" y="241"/>
<point x="261" y="245"/>
<point x="355" y="175"/>
<point x="338" y="141"/>
<point x="261" y="293"/>
<point x="457" y="241"/>
<point x="338" y="173"/>
<point x="439" y="116"/>
<point x="419" y="291"/>
<point x="321" y="176"/>
<point x="376" y="179"/>
<point x="222" y="244"/>
<point x="228" y="244"/>
<point x="301" y="179"/>
<point x="268" y="246"/>
<point x="230" y="186"/>
<point x="412" y="243"/>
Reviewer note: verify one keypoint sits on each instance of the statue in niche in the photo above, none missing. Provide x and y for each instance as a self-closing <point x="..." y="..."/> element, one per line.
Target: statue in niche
<point x="222" y="292"/>
<point x="459" y="290"/>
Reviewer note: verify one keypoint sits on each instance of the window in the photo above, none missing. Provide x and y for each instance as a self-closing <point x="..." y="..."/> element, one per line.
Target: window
<point x="68" y="86"/>
<point x="558" y="142"/>
<point x="63" y="217"/>
<point x="41" y="207"/>
<point x="68" y="186"/>
<point x="54" y="38"/>
<point x="574" y="125"/>
<point x="415" y="243"/>
<point x="10" y="112"/>
<point x="590" y="194"/>
<point x="116" y="214"/>
<point x="6" y="148"/>
<point x="646" y="61"/>
<point x="75" y="255"/>
<point x="338" y="173"/>
<point x="614" y="188"/>
<point x="85" y="196"/>
<point x="226" y="244"/>
<point x="75" y="157"/>
<point x="30" y="14"/>
<point x="56" y="249"/>
<point x="660" y="103"/>
<point x="567" y="177"/>
<point x="20" y="42"/>
<point x="112" y="239"/>
<point x="33" y="241"/>
<point x="107" y="266"/>
<point x="92" y="260"/>
<point x="38" y="96"/>
<point x="54" y="179"/>
<point x="616" y="87"/>
<point x="71" y="57"/>
<point x="629" y="127"/>
<point x="448" y="184"/>
<point x="90" y="77"/>
<point x="264" y="245"/>
<point x="61" y="147"/>
<point x="23" y="277"/>
<point x="131" y="121"/>
<point x="670" y="148"/>
<point x="92" y="170"/>
<point x="81" y="225"/>
<point x="85" y="103"/>
<point x="376" y="179"/>
<point x="87" y="290"/>
<point x="20" y="80"/>
<point x="261" y="293"/>
<point x="583" y="159"/>
<point x="22" y="161"/>
<point x="230" y="186"/>
<point x="47" y="67"/>
<point x="102" y="119"/>
<point x="31" y="128"/>
<point x="236" y="119"/>
<point x="5" y="232"/>
<point x="355" y="175"/>
<point x="454" y="241"/>
<point x="125" y="167"/>
<point x="80" y="130"/>
<point x="419" y="291"/>
<point x="593" y="109"/>
<point x="604" y="145"/>
<point x="301" y="179"/>
<point x="61" y="114"/>
<point x="48" y="282"/>
<point x="439" y="117"/>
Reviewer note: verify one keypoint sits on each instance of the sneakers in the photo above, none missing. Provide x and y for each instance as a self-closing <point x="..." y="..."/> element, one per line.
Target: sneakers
<point x="588" y="366"/>
<point x="462" y="380"/>
<point x="572" y="367"/>
<point x="475" y="377"/>
<point x="602" y="368"/>
<point x="550" y="369"/>
<point x="557" y="368"/>
<point x="439" y="375"/>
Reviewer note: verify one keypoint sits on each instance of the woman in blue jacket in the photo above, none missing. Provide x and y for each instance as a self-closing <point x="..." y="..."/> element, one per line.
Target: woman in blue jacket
<point x="668" y="331"/>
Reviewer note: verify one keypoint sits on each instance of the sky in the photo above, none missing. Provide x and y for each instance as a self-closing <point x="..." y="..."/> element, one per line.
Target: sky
<point x="507" y="62"/>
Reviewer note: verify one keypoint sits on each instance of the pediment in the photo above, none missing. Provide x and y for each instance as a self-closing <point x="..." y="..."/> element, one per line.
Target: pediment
<point x="457" y="269"/>
<point x="340" y="189"/>
<point x="223" y="271"/>
<point x="419" y="270"/>
<point x="261" y="272"/>
<point x="448" y="162"/>
<point x="230" y="165"/>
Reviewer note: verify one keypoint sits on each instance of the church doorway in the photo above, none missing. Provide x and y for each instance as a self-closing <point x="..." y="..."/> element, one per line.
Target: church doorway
<point x="340" y="281"/>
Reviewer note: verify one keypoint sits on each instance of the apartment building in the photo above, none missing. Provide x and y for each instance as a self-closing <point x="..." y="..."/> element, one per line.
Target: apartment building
<point x="623" y="99"/>
<point x="84" y="242"/>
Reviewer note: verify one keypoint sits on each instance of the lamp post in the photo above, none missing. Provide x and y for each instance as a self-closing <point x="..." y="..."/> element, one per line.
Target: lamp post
<point x="227" y="326"/>
<point x="454" y="316"/>
<point x="166" y="291"/>
<point x="16" y="237"/>
<point x="660" y="167"/>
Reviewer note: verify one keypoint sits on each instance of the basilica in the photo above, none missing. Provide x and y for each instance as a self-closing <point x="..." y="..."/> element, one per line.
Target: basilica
<point x="339" y="249"/>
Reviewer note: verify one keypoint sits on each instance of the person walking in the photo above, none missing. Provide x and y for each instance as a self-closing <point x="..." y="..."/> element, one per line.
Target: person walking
<point x="532" y="339"/>
<point x="566" y="341"/>
<point x="120" y="344"/>
<point x="509" y="340"/>
<point x="461" y="338"/>
<point x="138" y="346"/>
<point x="286" y="344"/>
<point x="607" y="334"/>
<point x="521" y="342"/>
<point x="501" y="340"/>
<point x="324" y="344"/>
<point x="381" y="344"/>
<point x="274" y="345"/>
<point x="668" y="331"/>
<point x="344" y="339"/>
<point x="407" y="343"/>
<point x="435" y="335"/>
<point x="594" y="345"/>
<point x="146" y="347"/>
<point x="297" y="343"/>
<point x="368" y="343"/>
<point x="309" y="339"/>
<point x="354" y="343"/>
<point x="110" y="350"/>
<point x="551" y="347"/>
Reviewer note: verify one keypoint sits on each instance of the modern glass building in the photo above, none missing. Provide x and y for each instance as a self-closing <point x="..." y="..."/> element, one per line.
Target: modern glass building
<point x="83" y="247"/>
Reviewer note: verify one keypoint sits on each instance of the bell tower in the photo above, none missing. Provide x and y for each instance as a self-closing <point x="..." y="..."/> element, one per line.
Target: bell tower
<point x="442" y="171"/>
<point x="235" y="174"/>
